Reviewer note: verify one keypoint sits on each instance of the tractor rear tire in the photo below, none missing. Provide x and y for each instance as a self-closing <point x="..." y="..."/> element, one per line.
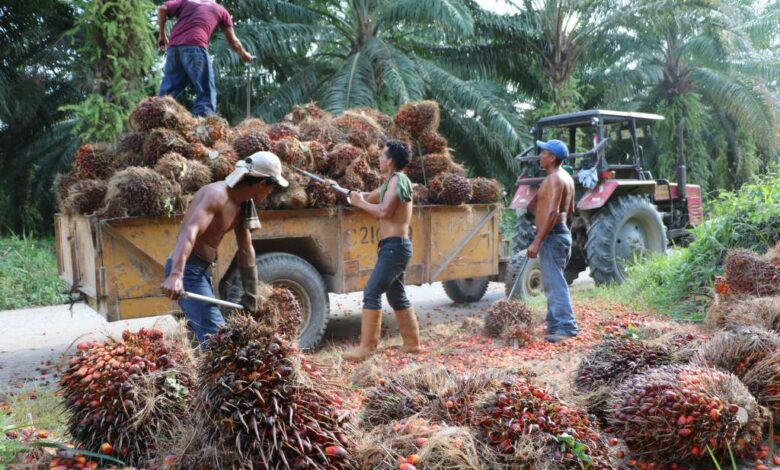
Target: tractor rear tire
<point x="530" y="282"/>
<point x="464" y="291"/>
<point x="628" y="228"/>
<point x="525" y="231"/>
<point x="305" y="282"/>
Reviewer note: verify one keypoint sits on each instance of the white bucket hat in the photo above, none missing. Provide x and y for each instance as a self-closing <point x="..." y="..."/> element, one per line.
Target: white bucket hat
<point x="261" y="164"/>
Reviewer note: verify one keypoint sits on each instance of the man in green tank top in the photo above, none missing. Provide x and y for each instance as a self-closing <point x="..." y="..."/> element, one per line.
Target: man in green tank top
<point x="392" y="205"/>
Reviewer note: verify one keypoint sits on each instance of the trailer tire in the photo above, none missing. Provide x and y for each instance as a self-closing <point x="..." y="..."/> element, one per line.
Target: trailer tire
<point x="530" y="283"/>
<point x="628" y="226"/>
<point x="306" y="283"/>
<point x="464" y="291"/>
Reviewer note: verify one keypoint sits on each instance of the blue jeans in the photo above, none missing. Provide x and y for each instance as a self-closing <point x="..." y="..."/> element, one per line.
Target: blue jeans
<point x="204" y="318"/>
<point x="554" y="253"/>
<point x="190" y="65"/>
<point x="388" y="275"/>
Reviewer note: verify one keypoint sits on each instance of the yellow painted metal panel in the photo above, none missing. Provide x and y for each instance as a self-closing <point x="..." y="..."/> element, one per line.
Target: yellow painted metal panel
<point x="63" y="240"/>
<point x="87" y="261"/>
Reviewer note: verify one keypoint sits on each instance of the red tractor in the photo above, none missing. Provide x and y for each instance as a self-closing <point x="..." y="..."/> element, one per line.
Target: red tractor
<point x="621" y="214"/>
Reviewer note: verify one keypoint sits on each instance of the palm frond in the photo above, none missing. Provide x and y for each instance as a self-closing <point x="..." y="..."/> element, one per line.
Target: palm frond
<point x="451" y="15"/>
<point x="400" y="80"/>
<point x="351" y="86"/>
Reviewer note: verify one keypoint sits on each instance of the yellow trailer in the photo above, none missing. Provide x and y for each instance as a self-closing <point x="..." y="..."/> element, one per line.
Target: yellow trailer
<point x="118" y="263"/>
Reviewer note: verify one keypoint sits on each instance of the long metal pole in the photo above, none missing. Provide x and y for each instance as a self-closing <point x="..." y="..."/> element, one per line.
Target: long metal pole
<point x="248" y="89"/>
<point x="210" y="300"/>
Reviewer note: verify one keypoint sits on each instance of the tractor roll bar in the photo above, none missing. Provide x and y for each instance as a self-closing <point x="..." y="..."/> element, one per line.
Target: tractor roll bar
<point x="522" y="159"/>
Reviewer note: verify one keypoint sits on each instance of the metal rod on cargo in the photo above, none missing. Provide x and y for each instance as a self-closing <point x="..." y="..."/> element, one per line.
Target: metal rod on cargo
<point x="210" y="300"/>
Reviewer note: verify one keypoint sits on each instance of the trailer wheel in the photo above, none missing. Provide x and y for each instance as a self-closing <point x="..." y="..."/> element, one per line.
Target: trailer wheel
<point x="464" y="291"/>
<point x="530" y="282"/>
<point x="296" y="274"/>
<point x="626" y="230"/>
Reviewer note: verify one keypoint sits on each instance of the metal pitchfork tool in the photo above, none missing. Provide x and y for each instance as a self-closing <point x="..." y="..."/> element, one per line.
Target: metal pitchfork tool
<point x="517" y="277"/>
<point x="210" y="300"/>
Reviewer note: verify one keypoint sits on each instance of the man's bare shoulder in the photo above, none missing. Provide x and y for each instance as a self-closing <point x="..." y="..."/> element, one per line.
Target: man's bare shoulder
<point x="213" y="194"/>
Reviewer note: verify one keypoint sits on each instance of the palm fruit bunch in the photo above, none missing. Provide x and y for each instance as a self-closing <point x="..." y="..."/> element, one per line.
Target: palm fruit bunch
<point x="301" y="113"/>
<point x="457" y="404"/>
<point x="361" y="130"/>
<point x="609" y="364"/>
<point x="280" y="130"/>
<point x="413" y="392"/>
<point x="123" y="395"/>
<point x="137" y="191"/>
<point x="418" y="118"/>
<point x="674" y="413"/>
<point x="156" y="112"/>
<point x="426" y="168"/>
<point x="747" y="274"/>
<point x="281" y="313"/>
<point x="509" y="319"/>
<point x="322" y="131"/>
<point x="85" y="197"/>
<point x="161" y="141"/>
<point x="753" y="355"/>
<point x="773" y="255"/>
<point x="292" y="153"/>
<point x="320" y="195"/>
<point x="95" y="161"/>
<point x="293" y="196"/>
<point x="360" y="172"/>
<point x="172" y="166"/>
<point x="383" y="120"/>
<point x="197" y="175"/>
<point x="683" y="346"/>
<point x="420" y="194"/>
<point x="450" y="188"/>
<point x="484" y="191"/>
<point x="62" y="185"/>
<point x="221" y="167"/>
<point x="260" y="404"/>
<point x="528" y="427"/>
<point x="252" y="123"/>
<point x="340" y="157"/>
<point x="209" y="130"/>
<point x="432" y="142"/>
<point x="223" y="148"/>
<point x="614" y="360"/>
<point x="131" y="142"/>
<point x="251" y="140"/>
<point x="751" y="311"/>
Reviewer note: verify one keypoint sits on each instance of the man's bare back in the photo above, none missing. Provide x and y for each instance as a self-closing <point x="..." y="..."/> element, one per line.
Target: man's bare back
<point x="554" y="203"/>
<point x="212" y="201"/>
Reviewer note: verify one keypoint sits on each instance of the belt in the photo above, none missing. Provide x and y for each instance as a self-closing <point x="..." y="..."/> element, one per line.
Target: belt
<point x="199" y="261"/>
<point x="387" y="240"/>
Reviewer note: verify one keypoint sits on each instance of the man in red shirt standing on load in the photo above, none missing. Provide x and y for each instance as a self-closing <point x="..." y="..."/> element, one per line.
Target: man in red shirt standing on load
<point x="187" y="61"/>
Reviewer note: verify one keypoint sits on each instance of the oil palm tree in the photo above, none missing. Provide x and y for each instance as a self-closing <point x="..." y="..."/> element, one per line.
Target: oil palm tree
<point x="710" y="62"/>
<point x="372" y="53"/>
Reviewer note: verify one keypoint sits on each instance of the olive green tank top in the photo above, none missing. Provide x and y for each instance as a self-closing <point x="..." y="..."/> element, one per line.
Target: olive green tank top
<point x="404" y="188"/>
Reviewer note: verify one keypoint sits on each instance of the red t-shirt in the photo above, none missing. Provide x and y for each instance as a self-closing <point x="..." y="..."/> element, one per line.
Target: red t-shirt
<point x="197" y="19"/>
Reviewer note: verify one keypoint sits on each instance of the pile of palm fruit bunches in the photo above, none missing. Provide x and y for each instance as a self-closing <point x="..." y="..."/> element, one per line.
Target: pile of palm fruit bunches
<point x="155" y="169"/>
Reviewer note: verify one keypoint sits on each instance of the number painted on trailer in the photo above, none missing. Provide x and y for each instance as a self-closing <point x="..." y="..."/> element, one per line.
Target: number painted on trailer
<point x="370" y="235"/>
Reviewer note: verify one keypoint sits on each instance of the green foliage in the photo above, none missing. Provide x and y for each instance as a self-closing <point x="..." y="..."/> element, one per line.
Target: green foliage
<point x="28" y="273"/>
<point x="681" y="283"/>
<point x="115" y="42"/>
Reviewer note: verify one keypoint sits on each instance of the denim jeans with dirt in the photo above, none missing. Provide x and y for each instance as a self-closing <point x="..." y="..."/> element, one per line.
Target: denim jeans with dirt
<point x="190" y="65"/>
<point x="203" y="318"/>
<point x="554" y="254"/>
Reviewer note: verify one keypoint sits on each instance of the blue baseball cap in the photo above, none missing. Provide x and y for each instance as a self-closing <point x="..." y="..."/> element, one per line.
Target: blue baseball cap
<point x="556" y="147"/>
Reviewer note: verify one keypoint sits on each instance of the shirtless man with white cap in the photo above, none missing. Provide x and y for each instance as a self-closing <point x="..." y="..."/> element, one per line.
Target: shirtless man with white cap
<point x="216" y="209"/>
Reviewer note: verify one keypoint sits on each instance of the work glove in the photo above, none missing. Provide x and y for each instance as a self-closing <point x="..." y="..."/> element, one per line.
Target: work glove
<point x="251" y="300"/>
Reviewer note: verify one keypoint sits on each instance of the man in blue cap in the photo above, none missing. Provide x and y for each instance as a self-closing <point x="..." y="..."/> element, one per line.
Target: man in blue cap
<point x="554" y="206"/>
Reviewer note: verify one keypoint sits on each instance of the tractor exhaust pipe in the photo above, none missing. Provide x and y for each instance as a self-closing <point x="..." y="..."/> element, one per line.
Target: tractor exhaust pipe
<point x="682" y="170"/>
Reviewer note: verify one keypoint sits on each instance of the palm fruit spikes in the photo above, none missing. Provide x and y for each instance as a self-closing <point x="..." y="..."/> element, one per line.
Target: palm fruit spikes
<point x="673" y="413"/>
<point x="426" y="168"/>
<point x="292" y="153"/>
<point x="260" y="401"/>
<point x="418" y="118"/>
<point x="450" y="189"/>
<point x="221" y="167"/>
<point x="320" y="195"/>
<point x="281" y="131"/>
<point x="341" y="157"/>
<point x="484" y="191"/>
<point x="85" y="197"/>
<point x="139" y="191"/>
<point x="250" y="141"/>
<point x="432" y="143"/>
<point x="156" y="112"/>
<point x="614" y="360"/>
<point x="747" y="274"/>
<point x="161" y="141"/>
<point x="126" y="393"/>
<point x="96" y="161"/>
<point x="506" y="315"/>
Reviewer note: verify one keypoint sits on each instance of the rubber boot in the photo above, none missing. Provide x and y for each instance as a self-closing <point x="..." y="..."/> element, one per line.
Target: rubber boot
<point x="370" y="330"/>
<point x="409" y="329"/>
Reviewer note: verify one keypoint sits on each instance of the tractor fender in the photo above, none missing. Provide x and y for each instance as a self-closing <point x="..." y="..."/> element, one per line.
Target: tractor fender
<point x="598" y="196"/>
<point x="525" y="193"/>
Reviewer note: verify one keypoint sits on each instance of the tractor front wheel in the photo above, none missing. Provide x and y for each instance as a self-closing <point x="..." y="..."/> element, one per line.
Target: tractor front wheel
<point x="625" y="231"/>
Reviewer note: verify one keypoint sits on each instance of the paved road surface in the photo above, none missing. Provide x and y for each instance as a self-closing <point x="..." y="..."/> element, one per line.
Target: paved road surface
<point x="36" y="338"/>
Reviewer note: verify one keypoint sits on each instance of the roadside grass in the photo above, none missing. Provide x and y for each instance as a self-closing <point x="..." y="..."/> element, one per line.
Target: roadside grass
<point x="39" y="408"/>
<point x="28" y="273"/>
